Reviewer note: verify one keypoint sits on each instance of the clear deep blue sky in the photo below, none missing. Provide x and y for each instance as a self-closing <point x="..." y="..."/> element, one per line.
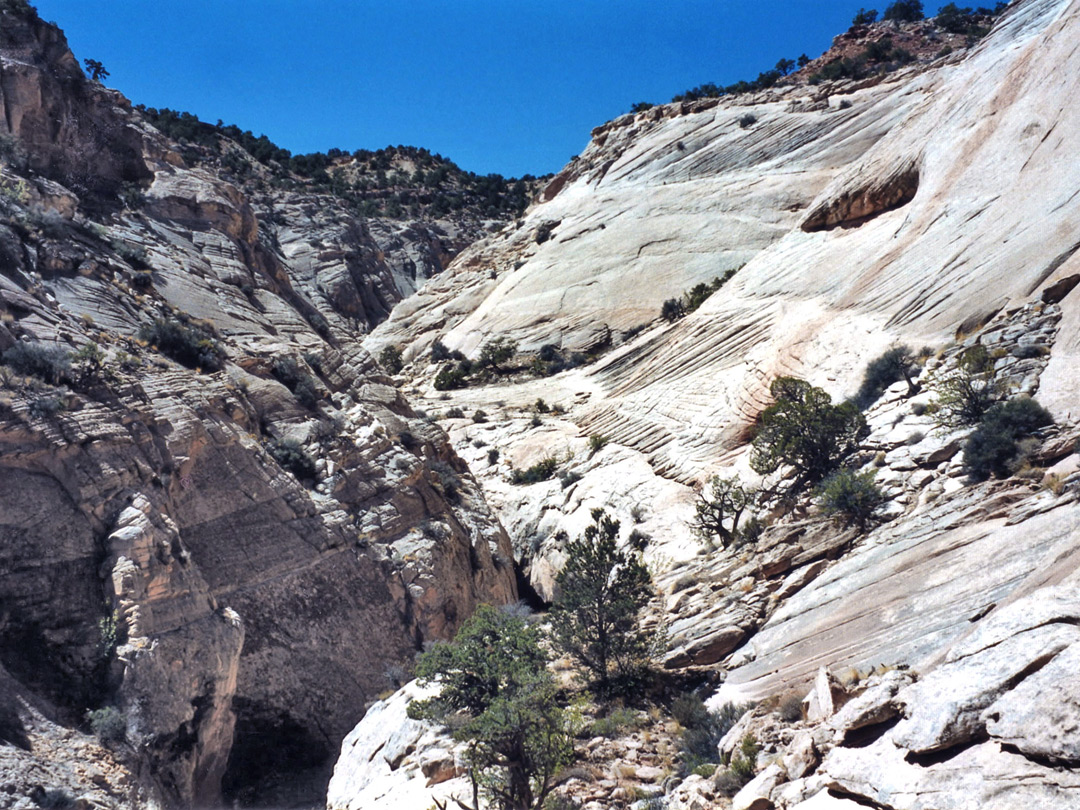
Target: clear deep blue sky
<point x="508" y="86"/>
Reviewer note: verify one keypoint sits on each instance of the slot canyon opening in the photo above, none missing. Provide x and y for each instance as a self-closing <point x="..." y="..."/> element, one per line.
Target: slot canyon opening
<point x="275" y="761"/>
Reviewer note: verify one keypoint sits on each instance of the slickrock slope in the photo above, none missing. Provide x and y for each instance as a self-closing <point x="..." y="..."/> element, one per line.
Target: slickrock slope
<point x="934" y="207"/>
<point x="899" y="208"/>
<point x="165" y="547"/>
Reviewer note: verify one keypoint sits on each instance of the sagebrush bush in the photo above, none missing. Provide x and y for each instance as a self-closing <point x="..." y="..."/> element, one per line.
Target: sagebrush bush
<point x="851" y="496"/>
<point x="42" y="360"/>
<point x="543" y="470"/>
<point x="496" y="352"/>
<point x="964" y="396"/>
<point x="452" y="376"/>
<point x="188" y="345"/>
<point x="996" y="447"/>
<point x="290" y="374"/>
<point x="290" y="454"/>
<point x="108" y="724"/>
<point x="617" y="722"/>
<point x="702" y="729"/>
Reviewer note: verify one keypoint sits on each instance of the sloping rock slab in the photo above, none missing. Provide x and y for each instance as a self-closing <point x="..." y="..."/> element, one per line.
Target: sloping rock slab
<point x="946" y="706"/>
<point x="981" y="777"/>
<point x="1041" y="716"/>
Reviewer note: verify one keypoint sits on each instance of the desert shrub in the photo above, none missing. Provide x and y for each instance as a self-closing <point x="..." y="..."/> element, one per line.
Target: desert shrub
<point x="638" y="540"/>
<point x="744" y="761"/>
<point x="541" y="406"/>
<point x="894" y="365"/>
<point x="42" y="406"/>
<point x="493" y="456"/>
<point x="455" y="413"/>
<point x="751" y="530"/>
<point x="956" y="20"/>
<point x="905" y="11"/>
<point x="449" y="481"/>
<point x="748" y="120"/>
<point x="108" y="724"/>
<point x="543" y="470"/>
<point x="965" y="395"/>
<point x="567" y="478"/>
<point x="996" y="447"/>
<point x="439" y="352"/>
<point x="692" y="299"/>
<point x="188" y="345"/>
<point x="597" y="443"/>
<point x="42" y="360"/>
<point x="52" y="799"/>
<point x="450" y="377"/>
<point x="1029" y="351"/>
<point x="496" y="352"/>
<point x="133" y="254"/>
<point x="390" y="359"/>
<point x="790" y="709"/>
<point x="702" y="729"/>
<point x="479" y="416"/>
<point x="536" y="421"/>
<point x="672" y="309"/>
<point x="865" y="17"/>
<point x="804" y="430"/>
<point x="290" y="374"/>
<point x="49" y="221"/>
<point x="617" y="722"/>
<point x="290" y="454"/>
<point x="851" y="496"/>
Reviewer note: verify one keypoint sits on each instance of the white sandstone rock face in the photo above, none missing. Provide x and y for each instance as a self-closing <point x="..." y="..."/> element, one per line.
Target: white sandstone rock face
<point x="661" y="201"/>
<point x="389" y="761"/>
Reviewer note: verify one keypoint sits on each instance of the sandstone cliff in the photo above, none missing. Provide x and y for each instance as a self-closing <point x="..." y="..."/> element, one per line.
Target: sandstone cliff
<point x="934" y="207"/>
<point x="235" y="553"/>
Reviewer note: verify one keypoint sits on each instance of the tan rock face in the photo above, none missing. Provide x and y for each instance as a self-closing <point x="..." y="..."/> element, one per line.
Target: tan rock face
<point x="65" y="123"/>
<point x="257" y="614"/>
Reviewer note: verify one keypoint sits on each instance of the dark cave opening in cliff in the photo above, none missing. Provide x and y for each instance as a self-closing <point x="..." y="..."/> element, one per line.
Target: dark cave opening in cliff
<point x="275" y="761"/>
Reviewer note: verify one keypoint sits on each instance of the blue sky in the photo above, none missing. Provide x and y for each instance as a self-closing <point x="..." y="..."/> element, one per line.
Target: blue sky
<point x="512" y="87"/>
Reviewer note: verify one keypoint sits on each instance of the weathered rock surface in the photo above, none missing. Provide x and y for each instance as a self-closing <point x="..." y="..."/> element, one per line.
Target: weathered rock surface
<point x="671" y="197"/>
<point x="154" y="555"/>
<point x="389" y="760"/>
<point x="43" y="763"/>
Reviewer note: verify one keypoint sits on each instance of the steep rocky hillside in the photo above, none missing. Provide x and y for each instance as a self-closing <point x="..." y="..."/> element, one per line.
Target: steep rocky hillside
<point x="933" y="206"/>
<point x="221" y="528"/>
<point x="225" y="530"/>
<point x="359" y="231"/>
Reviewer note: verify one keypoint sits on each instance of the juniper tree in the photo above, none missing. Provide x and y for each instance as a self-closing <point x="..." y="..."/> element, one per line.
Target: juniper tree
<point x="804" y="430"/>
<point x="499" y="697"/>
<point x="596" y="618"/>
